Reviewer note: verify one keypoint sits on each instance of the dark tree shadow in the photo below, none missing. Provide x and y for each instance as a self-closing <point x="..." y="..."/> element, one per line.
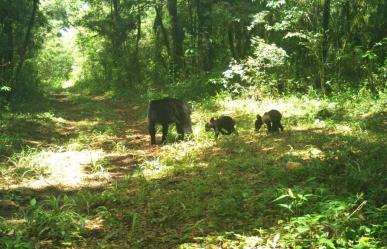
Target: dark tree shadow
<point x="227" y="187"/>
<point x="377" y="122"/>
<point x="235" y="189"/>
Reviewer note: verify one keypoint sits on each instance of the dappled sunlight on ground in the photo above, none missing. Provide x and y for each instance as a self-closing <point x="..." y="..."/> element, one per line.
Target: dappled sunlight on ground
<point x="154" y="166"/>
<point x="344" y="129"/>
<point x="288" y="107"/>
<point x="65" y="169"/>
<point x="100" y="141"/>
<point x="308" y="152"/>
<point x="198" y="193"/>
<point x="95" y="224"/>
<point x="231" y="240"/>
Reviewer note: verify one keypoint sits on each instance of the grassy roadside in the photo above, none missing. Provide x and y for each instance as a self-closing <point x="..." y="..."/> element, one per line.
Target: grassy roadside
<point x="319" y="184"/>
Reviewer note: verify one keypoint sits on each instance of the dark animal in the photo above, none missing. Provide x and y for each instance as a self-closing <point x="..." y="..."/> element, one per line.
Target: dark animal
<point x="224" y="125"/>
<point x="272" y="119"/>
<point x="165" y="112"/>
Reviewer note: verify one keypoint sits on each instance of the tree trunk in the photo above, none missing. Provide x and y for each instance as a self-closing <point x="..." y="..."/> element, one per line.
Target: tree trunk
<point x="205" y="47"/>
<point x="115" y="26"/>
<point x="230" y="34"/>
<point x="7" y="61"/>
<point x="136" y="63"/>
<point x="159" y="23"/>
<point x="177" y="36"/>
<point x="325" y="26"/>
<point x="138" y="35"/>
<point x="23" y="51"/>
<point x="192" y="29"/>
<point x="119" y="79"/>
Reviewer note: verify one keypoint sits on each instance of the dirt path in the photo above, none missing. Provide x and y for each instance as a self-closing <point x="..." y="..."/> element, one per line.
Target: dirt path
<point x="206" y="193"/>
<point x="99" y="142"/>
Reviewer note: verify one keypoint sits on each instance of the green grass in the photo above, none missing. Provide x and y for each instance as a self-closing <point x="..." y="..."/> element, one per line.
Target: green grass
<point x="319" y="184"/>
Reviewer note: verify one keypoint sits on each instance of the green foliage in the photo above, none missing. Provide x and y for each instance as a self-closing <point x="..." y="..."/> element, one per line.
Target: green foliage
<point x="257" y="71"/>
<point x="138" y="48"/>
<point x="13" y="237"/>
<point x="208" y="193"/>
<point x="318" y="184"/>
<point x="54" y="220"/>
<point x="54" y="64"/>
<point x="335" y="224"/>
<point x="198" y="87"/>
<point x="26" y="164"/>
<point x="4" y="104"/>
<point x="22" y="27"/>
<point x="293" y="202"/>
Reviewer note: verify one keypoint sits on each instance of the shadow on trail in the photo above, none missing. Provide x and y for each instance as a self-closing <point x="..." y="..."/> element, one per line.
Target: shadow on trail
<point x="232" y="185"/>
<point x="377" y="122"/>
<point x="223" y="188"/>
<point x="61" y="118"/>
<point x="91" y="123"/>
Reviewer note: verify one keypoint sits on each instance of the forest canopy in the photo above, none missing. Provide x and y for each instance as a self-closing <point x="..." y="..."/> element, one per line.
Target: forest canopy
<point x="185" y="47"/>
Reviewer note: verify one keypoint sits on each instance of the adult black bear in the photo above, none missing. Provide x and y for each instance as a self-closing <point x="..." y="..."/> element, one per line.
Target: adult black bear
<point x="224" y="125"/>
<point x="165" y="112"/>
<point x="272" y="119"/>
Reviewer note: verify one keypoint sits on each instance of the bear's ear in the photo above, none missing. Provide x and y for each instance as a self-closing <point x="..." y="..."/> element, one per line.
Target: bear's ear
<point x="212" y="119"/>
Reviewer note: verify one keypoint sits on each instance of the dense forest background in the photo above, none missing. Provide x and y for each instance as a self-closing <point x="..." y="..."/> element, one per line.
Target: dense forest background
<point x="76" y="166"/>
<point x="193" y="48"/>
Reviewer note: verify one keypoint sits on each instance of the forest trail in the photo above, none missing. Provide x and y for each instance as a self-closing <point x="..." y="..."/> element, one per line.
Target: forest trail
<point x="83" y="136"/>
<point x="77" y="170"/>
<point x="90" y="159"/>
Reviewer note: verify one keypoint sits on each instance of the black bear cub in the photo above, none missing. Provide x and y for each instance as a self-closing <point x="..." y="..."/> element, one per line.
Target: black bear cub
<point x="272" y="119"/>
<point x="224" y="125"/>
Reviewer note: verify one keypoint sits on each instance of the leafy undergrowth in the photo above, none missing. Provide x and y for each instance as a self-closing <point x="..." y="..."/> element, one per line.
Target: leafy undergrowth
<point x="319" y="184"/>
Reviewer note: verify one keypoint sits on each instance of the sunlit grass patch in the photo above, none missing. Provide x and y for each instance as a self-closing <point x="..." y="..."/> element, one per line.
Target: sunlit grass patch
<point x="239" y="176"/>
<point x="308" y="152"/>
<point x="153" y="168"/>
<point x="223" y="193"/>
<point x="233" y="240"/>
<point x="24" y="164"/>
<point x="51" y="116"/>
<point x="51" y="167"/>
<point x="175" y="156"/>
<point x="95" y="139"/>
<point x="184" y="151"/>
